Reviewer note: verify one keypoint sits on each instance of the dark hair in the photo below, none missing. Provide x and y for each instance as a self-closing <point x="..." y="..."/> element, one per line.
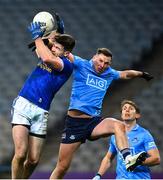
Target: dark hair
<point x="104" y="51"/>
<point x="131" y="103"/>
<point x="66" y="40"/>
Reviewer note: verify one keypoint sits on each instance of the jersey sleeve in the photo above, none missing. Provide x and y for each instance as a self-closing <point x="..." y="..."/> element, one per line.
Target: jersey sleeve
<point x="78" y="61"/>
<point x="115" y="74"/>
<point x="67" y="65"/>
<point x="112" y="147"/>
<point x="149" y="142"/>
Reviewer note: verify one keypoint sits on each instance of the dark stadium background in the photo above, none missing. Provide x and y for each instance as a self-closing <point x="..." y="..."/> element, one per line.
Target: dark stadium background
<point x="132" y="30"/>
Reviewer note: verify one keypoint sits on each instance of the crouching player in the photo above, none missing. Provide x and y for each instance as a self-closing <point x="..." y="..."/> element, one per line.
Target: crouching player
<point x="139" y="140"/>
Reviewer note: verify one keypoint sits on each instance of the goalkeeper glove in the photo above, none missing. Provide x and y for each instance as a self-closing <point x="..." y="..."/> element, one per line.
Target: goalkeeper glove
<point x="146" y="76"/>
<point x="35" y="30"/>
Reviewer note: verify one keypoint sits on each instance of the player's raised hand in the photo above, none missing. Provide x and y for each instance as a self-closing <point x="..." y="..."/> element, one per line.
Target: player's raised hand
<point x="60" y="24"/>
<point x="35" y="30"/>
<point x="147" y="76"/>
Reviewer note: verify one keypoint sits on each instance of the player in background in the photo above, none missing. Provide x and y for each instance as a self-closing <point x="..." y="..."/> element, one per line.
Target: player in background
<point x="31" y="107"/>
<point x="140" y="139"/>
<point x="91" y="79"/>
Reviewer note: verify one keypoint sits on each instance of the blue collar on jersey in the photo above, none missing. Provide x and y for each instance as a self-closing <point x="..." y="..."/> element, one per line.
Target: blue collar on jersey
<point x="135" y="127"/>
<point x="91" y="62"/>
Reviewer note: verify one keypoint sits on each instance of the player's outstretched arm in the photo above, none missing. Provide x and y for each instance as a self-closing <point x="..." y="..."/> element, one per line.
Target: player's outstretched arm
<point x="129" y="74"/>
<point x="105" y="165"/>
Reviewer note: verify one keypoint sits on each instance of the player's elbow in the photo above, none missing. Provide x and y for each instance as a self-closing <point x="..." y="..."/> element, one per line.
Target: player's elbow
<point x="125" y="75"/>
<point x="157" y="160"/>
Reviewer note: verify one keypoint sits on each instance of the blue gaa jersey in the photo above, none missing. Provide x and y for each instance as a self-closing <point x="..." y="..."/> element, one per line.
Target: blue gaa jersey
<point x="139" y="140"/>
<point x="89" y="88"/>
<point x="44" y="82"/>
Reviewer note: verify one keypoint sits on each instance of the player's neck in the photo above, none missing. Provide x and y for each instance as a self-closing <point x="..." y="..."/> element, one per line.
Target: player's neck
<point x="130" y="125"/>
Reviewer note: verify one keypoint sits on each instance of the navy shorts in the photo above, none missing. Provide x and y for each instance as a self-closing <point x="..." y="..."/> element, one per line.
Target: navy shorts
<point x="79" y="129"/>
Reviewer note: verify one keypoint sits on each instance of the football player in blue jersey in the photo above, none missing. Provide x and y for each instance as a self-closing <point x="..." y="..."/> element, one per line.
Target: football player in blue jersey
<point x="140" y="139"/>
<point x="31" y="107"/>
<point x="91" y="80"/>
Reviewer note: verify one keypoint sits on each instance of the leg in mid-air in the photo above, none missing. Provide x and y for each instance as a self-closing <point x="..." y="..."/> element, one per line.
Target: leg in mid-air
<point x="33" y="155"/>
<point x="66" y="153"/>
<point x="111" y="126"/>
<point x="20" y="138"/>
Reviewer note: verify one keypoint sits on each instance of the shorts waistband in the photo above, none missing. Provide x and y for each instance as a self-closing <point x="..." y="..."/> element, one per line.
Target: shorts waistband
<point x="78" y="118"/>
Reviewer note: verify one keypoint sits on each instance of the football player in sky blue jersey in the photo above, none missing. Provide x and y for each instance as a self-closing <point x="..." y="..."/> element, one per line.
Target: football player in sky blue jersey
<point x="140" y="139"/>
<point x="31" y="107"/>
<point x="91" y="80"/>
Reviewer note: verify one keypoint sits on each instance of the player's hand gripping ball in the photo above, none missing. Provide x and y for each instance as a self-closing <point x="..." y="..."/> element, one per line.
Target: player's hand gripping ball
<point x="46" y="20"/>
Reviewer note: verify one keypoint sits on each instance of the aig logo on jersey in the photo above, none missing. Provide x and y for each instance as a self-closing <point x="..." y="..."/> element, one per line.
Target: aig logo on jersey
<point x="96" y="82"/>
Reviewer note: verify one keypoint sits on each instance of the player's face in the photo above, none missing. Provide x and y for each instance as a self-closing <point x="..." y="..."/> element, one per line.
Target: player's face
<point x="101" y="62"/>
<point x="57" y="49"/>
<point x="128" y="112"/>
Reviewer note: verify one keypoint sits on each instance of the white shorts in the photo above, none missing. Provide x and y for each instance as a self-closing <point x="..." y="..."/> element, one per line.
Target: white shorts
<point x="26" y="113"/>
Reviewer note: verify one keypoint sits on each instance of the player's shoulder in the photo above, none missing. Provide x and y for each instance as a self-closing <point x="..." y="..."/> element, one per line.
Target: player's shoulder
<point x="78" y="61"/>
<point x="112" y="73"/>
<point x="144" y="130"/>
<point x="141" y="128"/>
<point x="67" y="65"/>
<point x="65" y="59"/>
<point x="78" y="58"/>
<point x="112" y="70"/>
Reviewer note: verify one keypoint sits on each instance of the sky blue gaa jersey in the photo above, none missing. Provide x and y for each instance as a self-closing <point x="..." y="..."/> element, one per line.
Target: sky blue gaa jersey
<point x="139" y="140"/>
<point x="89" y="88"/>
<point x="44" y="82"/>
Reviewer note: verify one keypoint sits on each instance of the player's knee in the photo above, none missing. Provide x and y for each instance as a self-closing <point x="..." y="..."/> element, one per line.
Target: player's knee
<point x="119" y="127"/>
<point x="32" y="161"/>
<point x="62" y="167"/>
<point x="20" y="157"/>
<point x="20" y="152"/>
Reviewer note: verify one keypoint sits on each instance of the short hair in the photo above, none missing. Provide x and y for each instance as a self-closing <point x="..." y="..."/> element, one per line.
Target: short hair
<point x="132" y="104"/>
<point x="104" y="51"/>
<point x="66" y="40"/>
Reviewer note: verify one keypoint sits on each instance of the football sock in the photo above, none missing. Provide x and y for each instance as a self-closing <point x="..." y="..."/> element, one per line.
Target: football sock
<point x="125" y="152"/>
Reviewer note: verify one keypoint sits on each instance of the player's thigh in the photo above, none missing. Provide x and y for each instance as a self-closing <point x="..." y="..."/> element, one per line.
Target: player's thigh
<point x="105" y="128"/>
<point x="39" y="123"/>
<point x="35" y="148"/>
<point x="20" y="138"/>
<point x="66" y="152"/>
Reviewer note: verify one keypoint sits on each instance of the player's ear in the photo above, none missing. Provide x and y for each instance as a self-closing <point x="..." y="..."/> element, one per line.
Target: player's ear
<point x="138" y="115"/>
<point x="66" y="53"/>
<point x="94" y="57"/>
